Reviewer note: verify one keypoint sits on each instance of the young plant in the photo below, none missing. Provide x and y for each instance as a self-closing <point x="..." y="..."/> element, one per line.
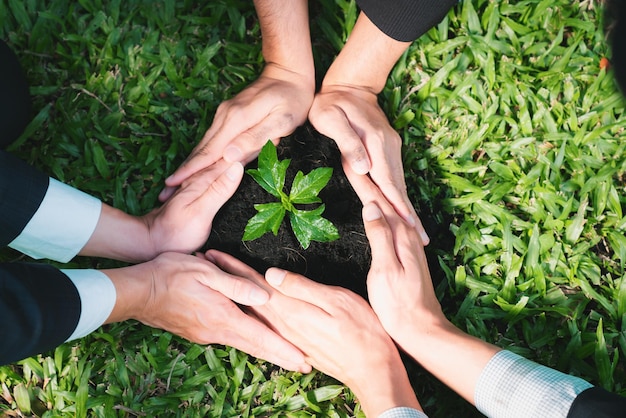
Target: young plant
<point x="307" y="225"/>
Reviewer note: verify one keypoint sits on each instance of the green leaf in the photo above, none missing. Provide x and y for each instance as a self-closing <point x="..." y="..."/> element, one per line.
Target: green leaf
<point x="22" y="398"/>
<point x="310" y="226"/>
<point x="268" y="218"/>
<point x="306" y="188"/>
<point x="271" y="173"/>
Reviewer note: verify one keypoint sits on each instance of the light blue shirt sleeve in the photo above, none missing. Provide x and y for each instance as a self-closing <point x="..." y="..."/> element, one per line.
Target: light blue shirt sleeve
<point x="403" y="412"/>
<point x="61" y="226"/>
<point x="97" y="299"/>
<point x="514" y="387"/>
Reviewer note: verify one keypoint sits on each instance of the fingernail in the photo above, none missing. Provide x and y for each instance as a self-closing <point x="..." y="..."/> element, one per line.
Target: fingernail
<point x="210" y="257"/>
<point x="361" y="166"/>
<point x="258" y="296"/>
<point x="424" y="236"/>
<point x="371" y="212"/>
<point x="232" y="154"/>
<point x="234" y="172"/>
<point x="275" y="276"/>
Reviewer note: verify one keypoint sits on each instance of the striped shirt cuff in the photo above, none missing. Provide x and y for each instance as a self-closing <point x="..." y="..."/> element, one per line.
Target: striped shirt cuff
<point x="511" y="386"/>
<point x="97" y="299"/>
<point x="403" y="412"/>
<point x="61" y="226"/>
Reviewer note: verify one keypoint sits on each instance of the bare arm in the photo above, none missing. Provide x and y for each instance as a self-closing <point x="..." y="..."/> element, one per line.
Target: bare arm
<point x="182" y="224"/>
<point x="271" y="107"/>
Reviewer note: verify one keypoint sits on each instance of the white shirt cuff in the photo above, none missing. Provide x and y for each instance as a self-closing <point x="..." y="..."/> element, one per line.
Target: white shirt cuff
<point x="61" y="226"/>
<point x="403" y="412"/>
<point x="511" y="386"/>
<point x="97" y="299"/>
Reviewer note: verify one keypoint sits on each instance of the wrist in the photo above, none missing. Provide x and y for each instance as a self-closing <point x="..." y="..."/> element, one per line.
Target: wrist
<point x="120" y="236"/>
<point x="366" y="59"/>
<point x="302" y="78"/>
<point x="132" y="288"/>
<point x="385" y="386"/>
<point x="286" y="36"/>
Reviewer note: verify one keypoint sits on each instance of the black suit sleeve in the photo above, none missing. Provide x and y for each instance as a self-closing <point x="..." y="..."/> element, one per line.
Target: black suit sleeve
<point x="22" y="189"/>
<point x="15" y="104"/>
<point x="40" y="309"/>
<point x="596" y="402"/>
<point x="405" y="20"/>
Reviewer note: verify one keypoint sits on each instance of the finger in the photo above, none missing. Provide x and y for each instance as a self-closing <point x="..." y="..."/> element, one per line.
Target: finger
<point x="231" y="265"/>
<point x="381" y="238"/>
<point x="166" y="193"/>
<point x="209" y="149"/>
<point x="198" y="182"/>
<point x="236" y="288"/>
<point x="400" y="201"/>
<point x="404" y="238"/>
<point x="349" y="142"/>
<point x="366" y="190"/>
<point x="246" y="146"/>
<point x="199" y="158"/>
<point x="253" y="337"/>
<point x="222" y="189"/>
<point x="301" y="288"/>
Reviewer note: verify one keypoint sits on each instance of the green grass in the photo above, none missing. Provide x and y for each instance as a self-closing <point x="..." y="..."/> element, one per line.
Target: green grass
<point x="513" y="153"/>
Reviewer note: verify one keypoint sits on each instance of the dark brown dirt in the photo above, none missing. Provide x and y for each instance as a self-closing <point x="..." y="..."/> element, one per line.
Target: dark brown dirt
<point x="343" y="262"/>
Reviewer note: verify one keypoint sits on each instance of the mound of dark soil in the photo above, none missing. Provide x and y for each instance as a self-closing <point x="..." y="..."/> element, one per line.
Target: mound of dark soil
<point x="344" y="262"/>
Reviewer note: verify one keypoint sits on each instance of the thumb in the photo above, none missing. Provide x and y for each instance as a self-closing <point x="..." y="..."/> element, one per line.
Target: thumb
<point x="222" y="188"/>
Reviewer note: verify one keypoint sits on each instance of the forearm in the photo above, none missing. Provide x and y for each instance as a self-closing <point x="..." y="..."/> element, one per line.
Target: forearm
<point x="366" y="59"/>
<point x="286" y="38"/>
<point x="120" y="236"/>
<point x="455" y="358"/>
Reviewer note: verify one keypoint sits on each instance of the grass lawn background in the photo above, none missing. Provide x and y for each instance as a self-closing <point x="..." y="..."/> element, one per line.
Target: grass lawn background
<point x="514" y="155"/>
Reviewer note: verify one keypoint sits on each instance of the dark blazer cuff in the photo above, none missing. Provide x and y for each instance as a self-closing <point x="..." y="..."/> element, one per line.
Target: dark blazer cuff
<point x="40" y="309"/>
<point x="405" y="20"/>
<point x="596" y="402"/>
<point x="22" y="189"/>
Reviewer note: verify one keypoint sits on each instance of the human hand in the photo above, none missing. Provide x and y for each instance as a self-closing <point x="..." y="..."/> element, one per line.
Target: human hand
<point x="337" y="331"/>
<point x="183" y="223"/>
<point x="192" y="298"/>
<point x="352" y="117"/>
<point x="270" y="108"/>
<point x="399" y="284"/>
<point x="402" y="295"/>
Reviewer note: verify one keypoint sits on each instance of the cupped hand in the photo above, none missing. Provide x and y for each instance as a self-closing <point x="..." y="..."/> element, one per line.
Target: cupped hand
<point x="270" y="108"/>
<point x="399" y="285"/>
<point x="183" y="223"/>
<point x="191" y="297"/>
<point x="337" y="331"/>
<point x="352" y="117"/>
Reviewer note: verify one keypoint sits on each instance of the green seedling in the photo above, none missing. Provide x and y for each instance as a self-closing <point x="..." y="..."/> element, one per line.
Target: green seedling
<point x="307" y="225"/>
